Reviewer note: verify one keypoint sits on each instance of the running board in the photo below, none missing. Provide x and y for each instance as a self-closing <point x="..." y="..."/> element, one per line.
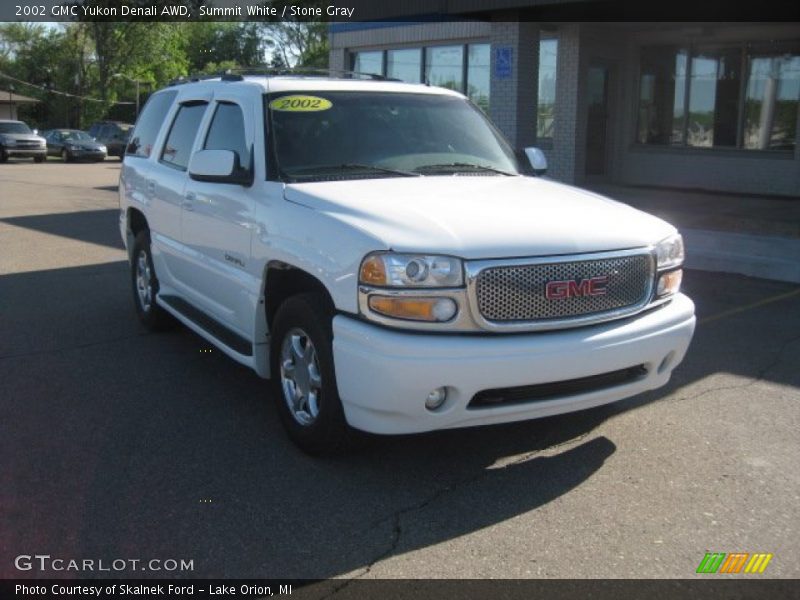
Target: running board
<point x="231" y="343"/>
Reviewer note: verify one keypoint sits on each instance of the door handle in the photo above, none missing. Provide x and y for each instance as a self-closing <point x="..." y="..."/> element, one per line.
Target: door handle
<point x="151" y="187"/>
<point x="188" y="201"/>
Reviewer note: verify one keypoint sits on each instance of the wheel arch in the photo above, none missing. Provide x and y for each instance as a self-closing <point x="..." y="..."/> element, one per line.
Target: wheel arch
<point x="135" y="221"/>
<point x="280" y="281"/>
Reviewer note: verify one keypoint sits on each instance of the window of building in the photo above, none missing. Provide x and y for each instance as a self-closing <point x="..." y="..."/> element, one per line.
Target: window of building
<point x="771" y="99"/>
<point x="444" y="66"/>
<point x="405" y="64"/>
<point x="368" y="62"/>
<point x="181" y="136"/>
<point x="736" y="96"/>
<point x="464" y="68"/>
<point x="227" y="132"/>
<point x="478" y="74"/>
<point x="548" y="56"/>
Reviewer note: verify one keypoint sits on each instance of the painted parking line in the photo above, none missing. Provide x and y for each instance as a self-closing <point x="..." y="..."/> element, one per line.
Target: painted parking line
<point x="746" y="307"/>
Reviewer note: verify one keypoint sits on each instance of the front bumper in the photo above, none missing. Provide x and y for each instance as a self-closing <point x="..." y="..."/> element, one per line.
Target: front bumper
<point x="25" y="152"/>
<point x="384" y="376"/>
<point x="90" y="154"/>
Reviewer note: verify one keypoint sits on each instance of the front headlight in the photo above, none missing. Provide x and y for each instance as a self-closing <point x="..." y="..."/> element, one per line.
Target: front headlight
<point x="669" y="252"/>
<point x="8" y="141"/>
<point x="669" y="257"/>
<point x="384" y="269"/>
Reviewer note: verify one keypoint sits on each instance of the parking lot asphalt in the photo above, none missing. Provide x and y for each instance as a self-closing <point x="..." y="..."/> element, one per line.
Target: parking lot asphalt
<point x="116" y="443"/>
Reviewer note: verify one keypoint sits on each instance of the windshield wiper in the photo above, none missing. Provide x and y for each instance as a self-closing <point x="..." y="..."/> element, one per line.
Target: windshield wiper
<point x="462" y="166"/>
<point x="315" y="171"/>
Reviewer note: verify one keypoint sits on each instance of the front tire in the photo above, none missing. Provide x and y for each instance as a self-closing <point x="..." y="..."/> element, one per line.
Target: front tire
<point x="3" y="155"/>
<point x="145" y="286"/>
<point x="65" y="156"/>
<point x="38" y="159"/>
<point x="304" y="377"/>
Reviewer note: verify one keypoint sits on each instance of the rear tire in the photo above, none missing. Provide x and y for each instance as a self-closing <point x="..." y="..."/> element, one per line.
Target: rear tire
<point x="304" y="377"/>
<point x="145" y="286"/>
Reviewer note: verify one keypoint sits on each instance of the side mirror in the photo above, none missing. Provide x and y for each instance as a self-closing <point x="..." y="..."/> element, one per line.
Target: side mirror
<point x="218" y="166"/>
<point x="538" y="160"/>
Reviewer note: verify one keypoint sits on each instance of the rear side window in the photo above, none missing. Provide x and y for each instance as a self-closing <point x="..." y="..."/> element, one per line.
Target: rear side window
<point x="178" y="146"/>
<point x="227" y="132"/>
<point x="149" y="124"/>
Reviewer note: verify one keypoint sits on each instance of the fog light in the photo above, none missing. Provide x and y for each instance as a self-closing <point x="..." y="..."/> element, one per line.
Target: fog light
<point x="436" y="398"/>
<point x="669" y="283"/>
<point x="444" y="309"/>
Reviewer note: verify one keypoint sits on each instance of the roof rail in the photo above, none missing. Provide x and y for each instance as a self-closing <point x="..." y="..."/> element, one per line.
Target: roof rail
<point x="265" y="71"/>
<point x="239" y="73"/>
<point x="192" y="78"/>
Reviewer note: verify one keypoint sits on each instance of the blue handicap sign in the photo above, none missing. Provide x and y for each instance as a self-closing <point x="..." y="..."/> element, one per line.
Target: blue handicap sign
<point x="502" y="62"/>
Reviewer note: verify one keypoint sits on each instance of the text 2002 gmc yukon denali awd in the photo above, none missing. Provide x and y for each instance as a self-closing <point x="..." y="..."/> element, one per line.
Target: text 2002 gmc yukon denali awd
<point x="375" y="249"/>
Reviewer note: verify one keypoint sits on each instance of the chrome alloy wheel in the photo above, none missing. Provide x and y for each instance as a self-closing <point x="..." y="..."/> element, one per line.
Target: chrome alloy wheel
<point x="144" y="281"/>
<point x="300" y="376"/>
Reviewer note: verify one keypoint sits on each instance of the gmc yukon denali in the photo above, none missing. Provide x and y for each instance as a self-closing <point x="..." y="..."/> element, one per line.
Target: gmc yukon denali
<point x="377" y="251"/>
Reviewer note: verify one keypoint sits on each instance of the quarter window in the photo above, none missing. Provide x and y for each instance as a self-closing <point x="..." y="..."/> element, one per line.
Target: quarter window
<point x="178" y="146"/>
<point x="149" y="124"/>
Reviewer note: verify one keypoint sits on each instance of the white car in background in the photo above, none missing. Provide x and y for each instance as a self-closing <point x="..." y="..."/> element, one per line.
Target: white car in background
<point x="376" y="249"/>
<point x="17" y="140"/>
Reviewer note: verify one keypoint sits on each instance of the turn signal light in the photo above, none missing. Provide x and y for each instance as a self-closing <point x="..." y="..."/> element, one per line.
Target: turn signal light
<point x="414" y="309"/>
<point x="669" y="283"/>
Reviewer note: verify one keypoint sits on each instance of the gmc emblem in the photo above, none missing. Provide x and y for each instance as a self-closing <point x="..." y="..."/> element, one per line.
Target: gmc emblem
<point x="561" y="290"/>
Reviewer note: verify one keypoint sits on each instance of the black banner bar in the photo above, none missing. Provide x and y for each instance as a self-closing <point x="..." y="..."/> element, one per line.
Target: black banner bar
<point x="343" y="11"/>
<point x="740" y="588"/>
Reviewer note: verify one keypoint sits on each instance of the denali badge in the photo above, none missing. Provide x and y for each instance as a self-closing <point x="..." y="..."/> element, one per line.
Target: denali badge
<point x="560" y="290"/>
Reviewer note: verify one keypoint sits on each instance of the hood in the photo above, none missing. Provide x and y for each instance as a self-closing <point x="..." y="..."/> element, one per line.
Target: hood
<point x="482" y="216"/>
<point x="23" y="137"/>
<point x="85" y="144"/>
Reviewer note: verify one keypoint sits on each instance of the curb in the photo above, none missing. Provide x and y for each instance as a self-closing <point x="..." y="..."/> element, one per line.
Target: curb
<point x="766" y="257"/>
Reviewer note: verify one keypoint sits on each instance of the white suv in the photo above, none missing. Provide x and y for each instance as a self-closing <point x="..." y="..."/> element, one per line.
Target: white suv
<point x="376" y="249"/>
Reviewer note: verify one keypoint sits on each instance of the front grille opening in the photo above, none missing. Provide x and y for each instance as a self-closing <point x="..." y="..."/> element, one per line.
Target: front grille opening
<point x="556" y="389"/>
<point x="517" y="293"/>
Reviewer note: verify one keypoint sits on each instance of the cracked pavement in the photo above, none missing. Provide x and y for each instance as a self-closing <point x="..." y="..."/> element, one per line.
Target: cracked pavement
<point x="115" y="443"/>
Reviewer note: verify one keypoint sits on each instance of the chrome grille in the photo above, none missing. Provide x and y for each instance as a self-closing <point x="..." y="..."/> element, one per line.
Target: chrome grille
<point x="517" y="293"/>
<point x="27" y="144"/>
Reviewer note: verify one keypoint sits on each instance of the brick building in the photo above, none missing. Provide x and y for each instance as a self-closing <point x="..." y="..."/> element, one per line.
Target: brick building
<point x="693" y="105"/>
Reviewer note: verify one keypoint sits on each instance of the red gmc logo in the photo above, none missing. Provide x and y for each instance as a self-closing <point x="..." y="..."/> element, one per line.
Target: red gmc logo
<point x="560" y="290"/>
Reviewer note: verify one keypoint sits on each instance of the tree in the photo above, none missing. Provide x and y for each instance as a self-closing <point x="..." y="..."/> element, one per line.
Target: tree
<point x="297" y="43"/>
<point x="237" y="43"/>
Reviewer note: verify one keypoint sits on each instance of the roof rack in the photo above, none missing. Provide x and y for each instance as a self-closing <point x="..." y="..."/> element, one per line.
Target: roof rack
<point x="239" y="73"/>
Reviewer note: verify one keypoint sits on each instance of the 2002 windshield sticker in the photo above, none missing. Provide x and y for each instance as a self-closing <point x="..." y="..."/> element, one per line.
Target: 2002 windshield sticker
<point x="300" y="104"/>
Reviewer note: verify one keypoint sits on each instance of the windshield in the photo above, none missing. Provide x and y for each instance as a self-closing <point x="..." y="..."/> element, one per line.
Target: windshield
<point x="15" y="127"/>
<point x="317" y="136"/>
<point x="76" y="135"/>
